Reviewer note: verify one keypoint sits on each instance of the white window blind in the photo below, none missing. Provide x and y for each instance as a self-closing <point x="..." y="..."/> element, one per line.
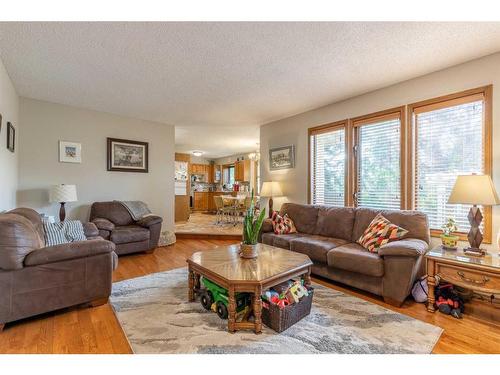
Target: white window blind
<point x="378" y="154"/>
<point x="328" y="168"/>
<point x="449" y="142"/>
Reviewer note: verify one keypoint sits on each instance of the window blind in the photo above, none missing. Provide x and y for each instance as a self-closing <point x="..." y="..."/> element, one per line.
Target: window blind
<point x="328" y="168"/>
<point x="378" y="154"/>
<point x="449" y="142"/>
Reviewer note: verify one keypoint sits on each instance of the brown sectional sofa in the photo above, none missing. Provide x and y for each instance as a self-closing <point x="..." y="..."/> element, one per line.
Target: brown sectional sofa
<point x="36" y="279"/>
<point x="328" y="236"/>
<point x="117" y="225"/>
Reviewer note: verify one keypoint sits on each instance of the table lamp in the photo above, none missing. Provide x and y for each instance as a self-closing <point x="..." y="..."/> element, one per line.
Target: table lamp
<point x="271" y="189"/>
<point x="476" y="190"/>
<point x="62" y="194"/>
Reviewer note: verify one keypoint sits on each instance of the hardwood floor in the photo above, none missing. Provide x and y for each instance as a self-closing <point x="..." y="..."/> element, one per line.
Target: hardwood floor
<point x="96" y="330"/>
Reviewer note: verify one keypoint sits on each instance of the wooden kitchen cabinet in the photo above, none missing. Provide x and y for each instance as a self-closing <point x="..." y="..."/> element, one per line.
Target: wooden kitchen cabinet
<point x="200" y="202"/>
<point x="242" y="170"/>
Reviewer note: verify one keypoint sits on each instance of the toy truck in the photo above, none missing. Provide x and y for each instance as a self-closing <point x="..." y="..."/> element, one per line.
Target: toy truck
<point x="216" y="298"/>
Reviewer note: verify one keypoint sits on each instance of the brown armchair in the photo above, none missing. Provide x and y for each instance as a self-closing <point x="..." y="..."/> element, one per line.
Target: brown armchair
<point x="115" y="224"/>
<point x="36" y="279"/>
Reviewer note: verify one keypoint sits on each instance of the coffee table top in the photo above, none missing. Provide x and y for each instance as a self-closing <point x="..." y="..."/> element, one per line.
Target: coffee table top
<point x="271" y="262"/>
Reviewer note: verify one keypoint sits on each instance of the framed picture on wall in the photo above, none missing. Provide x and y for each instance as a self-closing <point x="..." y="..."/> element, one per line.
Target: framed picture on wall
<point x="127" y="156"/>
<point x="11" y="137"/>
<point x="282" y="158"/>
<point x="70" y="152"/>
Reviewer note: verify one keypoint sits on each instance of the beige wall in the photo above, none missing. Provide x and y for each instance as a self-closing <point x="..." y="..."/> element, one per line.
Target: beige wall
<point x="293" y="130"/>
<point x="9" y="109"/>
<point x="44" y="124"/>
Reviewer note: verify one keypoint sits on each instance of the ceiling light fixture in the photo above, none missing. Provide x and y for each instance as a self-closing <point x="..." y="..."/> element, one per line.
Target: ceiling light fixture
<point x="197" y="153"/>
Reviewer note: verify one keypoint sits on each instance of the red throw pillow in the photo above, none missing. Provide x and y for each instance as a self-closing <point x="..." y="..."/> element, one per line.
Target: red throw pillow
<point x="282" y="224"/>
<point x="379" y="232"/>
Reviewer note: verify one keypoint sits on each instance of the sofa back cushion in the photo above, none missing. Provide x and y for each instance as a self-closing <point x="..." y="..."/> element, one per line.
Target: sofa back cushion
<point x="414" y="222"/>
<point x="304" y="216"/>
<point x="18" y="238"/>
<point x="336" y="222"/>
<point x="113" y="211"/>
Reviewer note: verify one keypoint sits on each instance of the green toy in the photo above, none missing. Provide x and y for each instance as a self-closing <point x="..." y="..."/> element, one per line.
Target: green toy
<point x="216" y="298"/>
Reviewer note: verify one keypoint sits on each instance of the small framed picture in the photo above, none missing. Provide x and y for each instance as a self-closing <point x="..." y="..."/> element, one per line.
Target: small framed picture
<point x="282" y="158"/>
<point x="11" y="137"/>
<point x="127" y="156"/>
<point x="70" y="152"/>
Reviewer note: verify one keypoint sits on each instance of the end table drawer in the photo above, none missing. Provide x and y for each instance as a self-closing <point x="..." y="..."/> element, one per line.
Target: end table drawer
<point x="467" y="278"/>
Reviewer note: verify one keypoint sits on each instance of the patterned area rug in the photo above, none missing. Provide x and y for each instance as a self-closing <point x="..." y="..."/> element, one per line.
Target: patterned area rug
<point x="156" y="317"/>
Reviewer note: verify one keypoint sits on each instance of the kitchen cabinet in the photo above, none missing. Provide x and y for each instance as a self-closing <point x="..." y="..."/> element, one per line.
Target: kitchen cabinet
<point x="242" y="170"/>
<point x="201" y="169"/>
<point x="200" y="202"/>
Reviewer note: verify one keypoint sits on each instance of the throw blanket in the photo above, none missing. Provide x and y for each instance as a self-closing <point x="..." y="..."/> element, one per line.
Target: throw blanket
<point x="137" y="209"/>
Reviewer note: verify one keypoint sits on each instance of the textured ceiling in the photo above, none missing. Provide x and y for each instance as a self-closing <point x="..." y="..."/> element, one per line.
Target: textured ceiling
<point x="217" y="82"/>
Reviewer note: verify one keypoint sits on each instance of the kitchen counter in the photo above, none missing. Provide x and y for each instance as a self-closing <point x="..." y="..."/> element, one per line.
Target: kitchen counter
<point x="204" y="200"/>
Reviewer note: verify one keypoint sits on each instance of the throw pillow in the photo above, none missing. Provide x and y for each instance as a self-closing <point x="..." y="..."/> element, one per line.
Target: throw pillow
<point x="282" y="224"/>
<point x="379" y="232"/>
<point x="63" y="232"/>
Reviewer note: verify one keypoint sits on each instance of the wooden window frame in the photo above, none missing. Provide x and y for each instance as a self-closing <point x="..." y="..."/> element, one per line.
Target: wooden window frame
<point x="326" y="128"/>
<point x="355" y="124"/>
<point x="462" y="97"/>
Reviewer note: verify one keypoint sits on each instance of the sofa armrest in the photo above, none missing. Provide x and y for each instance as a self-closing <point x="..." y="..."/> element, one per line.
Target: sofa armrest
<point x="410" y="247"/>
<point x="103" y="224"/>
<point x="68" y="251"/>
<point x="149" y="220"/>
<point x="90" y="230"/>
<point x="267" y="226"/>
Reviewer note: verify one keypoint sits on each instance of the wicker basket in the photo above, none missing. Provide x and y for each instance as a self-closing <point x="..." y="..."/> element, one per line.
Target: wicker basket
<point x="282" y="319"/>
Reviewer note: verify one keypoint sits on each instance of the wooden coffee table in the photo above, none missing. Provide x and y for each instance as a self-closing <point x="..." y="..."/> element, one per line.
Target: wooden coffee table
<point x="224" y="267"/>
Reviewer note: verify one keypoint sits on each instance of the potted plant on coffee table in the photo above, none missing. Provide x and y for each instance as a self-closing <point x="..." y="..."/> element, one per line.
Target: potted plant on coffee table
<point x="251" y="229"/>
<point x="448" y="239"/>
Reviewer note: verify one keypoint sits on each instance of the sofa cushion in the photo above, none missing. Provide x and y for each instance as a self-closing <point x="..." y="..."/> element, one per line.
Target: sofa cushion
<point x="282" y="224"/>
<point x="129" y="233"/>
<point x="353" y="257"/>
<point x="336" y="222"/>
<point x="315" y="247"/>
<point x="279" y="240"/>
<point x="414" y="222"/>
<point x="380" y="232"/>
<point x="304" y="216"/>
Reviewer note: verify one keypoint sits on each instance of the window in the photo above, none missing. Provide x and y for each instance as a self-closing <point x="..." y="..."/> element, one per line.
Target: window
<point x="228" y="173"/>
<point x="449" y="140"/>
<point x="328" y="164"/>
<point x="377" y="155"/>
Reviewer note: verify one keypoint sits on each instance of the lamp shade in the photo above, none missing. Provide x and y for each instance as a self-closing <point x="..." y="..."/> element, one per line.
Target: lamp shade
<point x="62" y="193"/>
<point x="271" y="189"/>
<point x="474" y="189"/>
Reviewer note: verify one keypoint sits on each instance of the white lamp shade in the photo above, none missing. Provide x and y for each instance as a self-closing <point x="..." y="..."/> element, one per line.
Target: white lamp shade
<point x="474" y="189"/>
<point x="271" y="189"/>
<point x="62" y="193"/>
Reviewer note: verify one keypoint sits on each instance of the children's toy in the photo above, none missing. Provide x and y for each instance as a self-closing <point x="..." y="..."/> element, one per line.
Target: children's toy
<point x="286" y="293"/>
<point x="216" y="298"/>
<point x="448" y="301"/>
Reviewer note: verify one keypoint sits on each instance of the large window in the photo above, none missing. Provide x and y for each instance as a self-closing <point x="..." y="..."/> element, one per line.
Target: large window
<point x="449" y="140"/>
<point x="328" y="164"/>
<point x="377" y="155"/>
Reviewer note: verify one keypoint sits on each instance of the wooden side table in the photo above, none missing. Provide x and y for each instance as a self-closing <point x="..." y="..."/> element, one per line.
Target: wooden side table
<point x="479" y="274"/>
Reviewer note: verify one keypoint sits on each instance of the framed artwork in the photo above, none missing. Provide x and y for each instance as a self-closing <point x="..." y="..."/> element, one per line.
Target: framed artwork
<point x="282" y="157"/>
<point x="11" y="137"/>
<point x="70" y="152"/>
<point x="127" y="156"/>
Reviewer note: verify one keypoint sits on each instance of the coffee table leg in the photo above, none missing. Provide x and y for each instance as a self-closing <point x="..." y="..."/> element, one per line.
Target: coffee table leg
<point x="307" y="277"/>
<point x="231" y="322"/>
<point x="257" y="309"/>
<point x="191" y="285"/>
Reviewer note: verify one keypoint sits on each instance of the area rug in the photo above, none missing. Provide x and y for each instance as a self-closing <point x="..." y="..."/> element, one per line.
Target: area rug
<point x="156" y="317"/>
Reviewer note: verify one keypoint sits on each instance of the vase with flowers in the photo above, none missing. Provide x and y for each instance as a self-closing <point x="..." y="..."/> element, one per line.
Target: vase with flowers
<point x="251" y="229"/>
<point x="448" y="239"/>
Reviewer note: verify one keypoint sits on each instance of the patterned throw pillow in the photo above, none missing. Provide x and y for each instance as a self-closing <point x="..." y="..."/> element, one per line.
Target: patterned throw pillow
<point x="282" y="224"/>
<point x="63" y="232"/>
<point x="379" y="232"/>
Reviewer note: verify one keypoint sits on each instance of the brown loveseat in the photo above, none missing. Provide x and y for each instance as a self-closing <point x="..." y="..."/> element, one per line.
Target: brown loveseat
<point x="36" y="279"/>
<point x="117" y="225"/>
<point x="328" y="236"/>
